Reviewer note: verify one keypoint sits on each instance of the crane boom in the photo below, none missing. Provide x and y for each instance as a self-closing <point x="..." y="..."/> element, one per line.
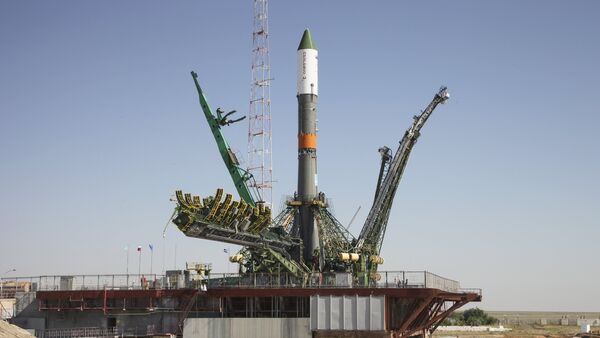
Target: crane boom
<point x="239" y="176"/>
<point x="373" y="231"/>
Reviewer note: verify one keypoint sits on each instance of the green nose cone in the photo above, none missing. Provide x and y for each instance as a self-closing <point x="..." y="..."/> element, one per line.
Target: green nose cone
<point x="307" y="41"/>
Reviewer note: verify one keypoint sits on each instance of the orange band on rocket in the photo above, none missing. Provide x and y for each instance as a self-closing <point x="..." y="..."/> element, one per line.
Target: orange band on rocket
<point x="307" y="141"/>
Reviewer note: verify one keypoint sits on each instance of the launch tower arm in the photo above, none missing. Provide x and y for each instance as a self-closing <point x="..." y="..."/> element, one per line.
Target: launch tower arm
<point x="238" y="174"/>
<point x="373" y="231"/>
<point x="386" y="157"/>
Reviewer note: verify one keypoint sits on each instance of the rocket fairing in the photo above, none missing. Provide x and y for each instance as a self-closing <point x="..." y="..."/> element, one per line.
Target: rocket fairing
<point x="307" y="94"/>
<point x="308" y="66"/>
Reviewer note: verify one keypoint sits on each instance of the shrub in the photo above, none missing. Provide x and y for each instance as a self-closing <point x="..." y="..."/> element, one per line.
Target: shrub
<point x="471" y="317"/>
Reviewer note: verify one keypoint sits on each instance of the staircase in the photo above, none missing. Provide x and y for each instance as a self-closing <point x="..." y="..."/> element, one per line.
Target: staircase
<point x="22" y="301"/>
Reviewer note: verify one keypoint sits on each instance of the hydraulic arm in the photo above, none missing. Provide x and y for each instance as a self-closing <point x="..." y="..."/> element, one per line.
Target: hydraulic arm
<point x="373" y="231"/>
<point x="238" y="174"/>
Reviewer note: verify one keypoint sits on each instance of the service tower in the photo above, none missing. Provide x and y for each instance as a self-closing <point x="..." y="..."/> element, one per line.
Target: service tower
<point x="307" y="94"/>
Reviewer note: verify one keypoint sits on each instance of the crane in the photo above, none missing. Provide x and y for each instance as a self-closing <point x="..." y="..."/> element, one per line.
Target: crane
<point x="372" y="234"/>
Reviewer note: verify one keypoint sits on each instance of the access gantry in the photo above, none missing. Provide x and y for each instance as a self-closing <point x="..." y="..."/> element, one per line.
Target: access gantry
<point x="275" y="244"/>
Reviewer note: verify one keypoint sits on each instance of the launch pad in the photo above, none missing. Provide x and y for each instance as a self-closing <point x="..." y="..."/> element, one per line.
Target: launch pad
<point x="401" y="304"/>
<point x="301" y="268"/>
<point x="305" y="241"/>
<point x="305" y="237"/>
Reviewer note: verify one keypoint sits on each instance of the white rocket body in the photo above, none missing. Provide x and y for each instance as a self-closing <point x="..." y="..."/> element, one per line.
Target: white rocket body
<point x="307" y="81"/>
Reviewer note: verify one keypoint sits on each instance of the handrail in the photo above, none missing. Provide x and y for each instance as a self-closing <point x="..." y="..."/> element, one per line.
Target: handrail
<point x="384" y="279"/>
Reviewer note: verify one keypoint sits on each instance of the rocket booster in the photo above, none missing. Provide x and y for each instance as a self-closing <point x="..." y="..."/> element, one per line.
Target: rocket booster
<point x="307" y="93"/>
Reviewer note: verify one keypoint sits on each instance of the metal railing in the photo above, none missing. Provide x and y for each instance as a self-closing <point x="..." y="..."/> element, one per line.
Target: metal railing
<point x="89" y="282"/>
<point x="97" y="332"/>
<point x="383" y="279"/>
<point x="78" y="332"/>
<point x="476" y="291"/>
<point x="437" y="282"/>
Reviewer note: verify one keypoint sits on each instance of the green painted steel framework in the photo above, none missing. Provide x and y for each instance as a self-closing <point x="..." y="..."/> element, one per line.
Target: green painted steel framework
<point x="275" y="244"/>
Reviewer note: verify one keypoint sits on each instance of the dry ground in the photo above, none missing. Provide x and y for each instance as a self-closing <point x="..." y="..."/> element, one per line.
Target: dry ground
<point x="7" y="330"/>
<point x="524" y="330"/>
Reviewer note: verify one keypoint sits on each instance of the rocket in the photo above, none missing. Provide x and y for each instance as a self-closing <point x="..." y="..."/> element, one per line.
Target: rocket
<point x="307" y="94"/>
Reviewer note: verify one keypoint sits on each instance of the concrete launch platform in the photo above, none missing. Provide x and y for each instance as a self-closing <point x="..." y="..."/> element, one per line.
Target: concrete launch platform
<point x="401" y="304"/>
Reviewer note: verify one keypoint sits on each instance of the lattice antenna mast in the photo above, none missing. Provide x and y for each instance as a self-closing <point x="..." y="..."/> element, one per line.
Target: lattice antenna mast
<point x="259" y="121"/>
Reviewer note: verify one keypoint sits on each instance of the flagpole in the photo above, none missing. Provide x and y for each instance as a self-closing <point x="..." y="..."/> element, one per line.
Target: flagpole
<point x="227" y="251"/>
<point x="127" y="266"/>
<point x="164" y="250"/>
<point x="151" y="257"/>
<point x="139" y="261"/>
<point x="127" y="259"/>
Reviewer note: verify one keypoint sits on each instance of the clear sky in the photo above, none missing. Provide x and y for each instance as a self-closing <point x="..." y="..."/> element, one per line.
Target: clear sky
<point x="100" y="123"/>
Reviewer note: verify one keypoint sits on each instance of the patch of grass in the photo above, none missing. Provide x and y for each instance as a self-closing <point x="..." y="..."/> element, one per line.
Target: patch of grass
<point x="523" y="330"/>
<point x="543" y="330"/>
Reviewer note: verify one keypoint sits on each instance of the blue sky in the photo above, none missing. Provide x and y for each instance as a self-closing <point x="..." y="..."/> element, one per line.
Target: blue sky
<point x="99" y="124"/>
